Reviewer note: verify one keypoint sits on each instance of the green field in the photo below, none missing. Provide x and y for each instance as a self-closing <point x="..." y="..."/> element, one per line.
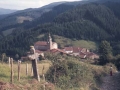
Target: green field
<point x="62" y="42"/>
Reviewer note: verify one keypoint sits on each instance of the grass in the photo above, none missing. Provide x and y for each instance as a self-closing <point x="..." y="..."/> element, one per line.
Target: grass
<point x="23" y="68"/>
<point x="81" y="43"/>
<point x="73" y="74"/>
<point x="4" y="73"/>
<point x="7" y="32"/>
<point x="21" y="19"/>
<point x="26" y="82"/>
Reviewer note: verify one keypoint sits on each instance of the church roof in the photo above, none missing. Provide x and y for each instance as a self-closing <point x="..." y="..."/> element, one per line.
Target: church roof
<point x="41" y="43"/>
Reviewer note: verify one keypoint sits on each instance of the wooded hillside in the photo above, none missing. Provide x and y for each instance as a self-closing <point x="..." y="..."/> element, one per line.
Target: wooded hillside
<point x="93" y="21"/>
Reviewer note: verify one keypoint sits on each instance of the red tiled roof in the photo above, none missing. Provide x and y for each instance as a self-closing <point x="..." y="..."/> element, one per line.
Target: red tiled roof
<point x="56" y="50"/>
<point x="42" y="43"/>
<point x="68" y="49"/>
<point x="82" y="55"/>
<point x="80" y="49"/>
<point x="75" y="49"/>
<point x="90" y="54"/>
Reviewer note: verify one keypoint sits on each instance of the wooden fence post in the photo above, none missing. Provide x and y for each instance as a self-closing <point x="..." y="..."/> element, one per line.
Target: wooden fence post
<point x="31" y="70"/>
<point x="43" y="73"/>
<point x="55" y="75"/>
<point x="43" y="87"/>
<point x="9" y="61"/>
<point x="19" y="69"/>
<point x="11" y="79"/>
<point x="27" y="69"/>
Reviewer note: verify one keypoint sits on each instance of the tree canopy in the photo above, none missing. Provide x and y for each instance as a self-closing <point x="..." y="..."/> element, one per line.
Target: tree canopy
<point x="105" y="51"/>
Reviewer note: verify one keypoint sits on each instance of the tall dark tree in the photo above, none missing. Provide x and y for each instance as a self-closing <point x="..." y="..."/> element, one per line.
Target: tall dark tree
<point x="105" y="51"/>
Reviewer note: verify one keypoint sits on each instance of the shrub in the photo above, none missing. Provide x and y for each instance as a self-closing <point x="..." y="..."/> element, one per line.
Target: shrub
<point x="69" y="74"/>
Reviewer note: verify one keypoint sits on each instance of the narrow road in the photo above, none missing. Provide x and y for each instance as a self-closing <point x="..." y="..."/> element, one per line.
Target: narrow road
<point x="111" y="82"/>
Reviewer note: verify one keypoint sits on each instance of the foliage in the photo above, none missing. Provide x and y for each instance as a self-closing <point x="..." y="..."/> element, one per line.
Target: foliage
<point x="117" y="61"/>
<point x="16" y="56"/>
<point x="105" y="51"/>
<point x="69" y="73"/>
<point x="93" y="22"/>
<point x="4" y="57"/>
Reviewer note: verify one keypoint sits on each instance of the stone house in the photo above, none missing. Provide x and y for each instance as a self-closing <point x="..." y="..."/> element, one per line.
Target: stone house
<point x="81" y="52"/>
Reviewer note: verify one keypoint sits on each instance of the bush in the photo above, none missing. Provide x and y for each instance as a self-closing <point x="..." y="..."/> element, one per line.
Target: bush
<point x="69" y="74"/>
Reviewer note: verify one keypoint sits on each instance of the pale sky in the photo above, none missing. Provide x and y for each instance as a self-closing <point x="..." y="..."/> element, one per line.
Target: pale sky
<point x="23" y="4"/>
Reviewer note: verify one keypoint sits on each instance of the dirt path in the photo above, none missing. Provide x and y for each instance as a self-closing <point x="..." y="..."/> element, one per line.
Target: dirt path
<point x="111" y="82"/>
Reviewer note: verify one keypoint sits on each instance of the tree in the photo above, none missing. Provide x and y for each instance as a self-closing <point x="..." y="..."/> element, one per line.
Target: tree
<point x="4" y="57"/>
<point x="16" y="56"/>
<point x="105" y="51"/>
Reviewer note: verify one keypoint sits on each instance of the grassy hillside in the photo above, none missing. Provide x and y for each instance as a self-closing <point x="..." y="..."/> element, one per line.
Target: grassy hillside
<point x="89" y="22"/>
<point x="70" y="42"/>
<point x="5" y="70"/>
<point x="88" y="78"/>
<point x="26" y="82"/>
<point x="70" y="73"/>
<point x="63" y="41"/>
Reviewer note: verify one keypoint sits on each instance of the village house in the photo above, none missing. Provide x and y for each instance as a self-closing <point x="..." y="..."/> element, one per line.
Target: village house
<point x="52" y="47"/>
<point x="75" y="50"/>
<point x="81" y="52"/>
<point x="91" y="55"/>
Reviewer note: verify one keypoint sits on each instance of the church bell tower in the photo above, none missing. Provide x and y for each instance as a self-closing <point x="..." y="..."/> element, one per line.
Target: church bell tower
<point x="50" y="42"/>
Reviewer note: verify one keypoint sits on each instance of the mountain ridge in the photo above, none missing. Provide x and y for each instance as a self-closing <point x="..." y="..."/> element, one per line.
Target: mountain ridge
<point x="6" y="11"/>
<point x="92" y="21"/>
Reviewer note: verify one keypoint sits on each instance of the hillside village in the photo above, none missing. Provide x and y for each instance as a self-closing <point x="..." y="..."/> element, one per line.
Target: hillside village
<point x="49" y="46"/>
<point x="60" y="46"/>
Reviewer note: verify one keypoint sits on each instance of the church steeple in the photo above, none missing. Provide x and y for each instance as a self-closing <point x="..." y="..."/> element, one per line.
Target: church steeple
<point x="50" y="42"/>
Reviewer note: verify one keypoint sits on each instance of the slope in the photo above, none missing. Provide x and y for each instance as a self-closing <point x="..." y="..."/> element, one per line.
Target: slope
<point x="30" y="18"/>
<point x="94" y="22"/>
<point x="6" y="11"/>
<point x="111" y="82"/>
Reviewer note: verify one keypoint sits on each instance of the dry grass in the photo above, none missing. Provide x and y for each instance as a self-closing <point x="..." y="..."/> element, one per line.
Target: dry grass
<point x="23" y="68"/>
<point x="5" y="71"/>
<point x="26" y="82"/>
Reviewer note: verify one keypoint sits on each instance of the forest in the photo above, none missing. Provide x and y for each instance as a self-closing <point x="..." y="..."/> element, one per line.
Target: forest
<point x="93" y="22"/>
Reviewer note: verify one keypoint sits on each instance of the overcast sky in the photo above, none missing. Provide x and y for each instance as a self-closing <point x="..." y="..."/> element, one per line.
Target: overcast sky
<point x="23" y="4"/>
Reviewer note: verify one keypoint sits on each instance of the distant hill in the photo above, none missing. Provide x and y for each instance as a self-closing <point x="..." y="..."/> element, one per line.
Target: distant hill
<point x="36" y="16"/>
<point x="91" y="22"/>
<point x="30" y="18"/>
<point x="6" y="11"/>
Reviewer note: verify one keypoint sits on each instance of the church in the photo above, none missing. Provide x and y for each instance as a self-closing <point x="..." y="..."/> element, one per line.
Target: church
<point x="44" y="46"/>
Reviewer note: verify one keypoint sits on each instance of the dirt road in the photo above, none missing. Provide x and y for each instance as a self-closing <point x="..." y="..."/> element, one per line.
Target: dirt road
<point x="111" y="82"/>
